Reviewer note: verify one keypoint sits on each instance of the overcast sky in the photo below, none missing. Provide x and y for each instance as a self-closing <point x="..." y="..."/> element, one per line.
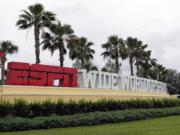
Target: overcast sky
<point x="155" y="22"/>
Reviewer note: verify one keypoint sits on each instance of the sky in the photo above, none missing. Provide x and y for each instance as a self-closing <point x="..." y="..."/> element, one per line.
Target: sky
<point x="155" y="22"/>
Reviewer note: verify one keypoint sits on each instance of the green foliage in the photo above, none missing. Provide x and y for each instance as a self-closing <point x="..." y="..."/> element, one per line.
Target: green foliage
<point x="81" y="51"/>
<point x="35" y="16"/>
<point x="94" y="118"/>
<point x="5" y="108"/>
<point x="173" y="81"/>
<point x="48" y="108"/>
<point x="157" y="126"/>
<point x="114" y="49"/>
<point x="22" y="108"/>
<point x="7" y="47"/>
<point x="56" y="39"/>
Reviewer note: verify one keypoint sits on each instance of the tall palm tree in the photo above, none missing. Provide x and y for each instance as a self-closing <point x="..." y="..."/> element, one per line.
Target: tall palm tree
<point x="80" y="49"/>
<point x="35" y="16"/>
<point x="115" y="49"/>
<point x="57" y="38"/>
<point x="146" y="64"/>
<point x="139" y="54"/>
<point x="7" y="47"/>
<point x="131" y="44"/>
<point x="158" y="72"/>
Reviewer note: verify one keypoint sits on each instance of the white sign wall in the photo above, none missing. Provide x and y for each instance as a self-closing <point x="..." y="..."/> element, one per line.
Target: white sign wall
<point x="104" y="80"/>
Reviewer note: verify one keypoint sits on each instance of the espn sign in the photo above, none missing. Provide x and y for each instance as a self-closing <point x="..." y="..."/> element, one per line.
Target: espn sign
<point x="40" y="75"/>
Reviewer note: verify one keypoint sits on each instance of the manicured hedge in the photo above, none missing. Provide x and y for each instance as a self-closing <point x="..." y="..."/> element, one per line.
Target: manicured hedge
<point x="94" y="118"/>
<point x="24" y="109"/>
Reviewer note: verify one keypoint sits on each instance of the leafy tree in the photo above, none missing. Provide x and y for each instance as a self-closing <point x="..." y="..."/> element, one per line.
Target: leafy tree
<point x="81" y="51"/>
<point x="172" y="77"/>
<point x="57" y="38"/>
<point x="35" y="16"/>
<point x="7" y="47"/>
<point x="115" y="49"/>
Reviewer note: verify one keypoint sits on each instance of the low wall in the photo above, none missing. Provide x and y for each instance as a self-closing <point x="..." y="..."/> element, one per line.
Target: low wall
<point x="105" y="80"/>
<point x="33" y="93"/>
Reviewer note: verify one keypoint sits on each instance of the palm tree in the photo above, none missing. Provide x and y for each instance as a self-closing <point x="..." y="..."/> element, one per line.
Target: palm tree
<point x="7" y="47"/>
<point x="80" y="49"/>
<point x="158" y="72"/>
<point x="57" y="38"/>
<point x="139" y="54"/>
<point x="115" y="49"/>
<point x="131" y="44"/>
<point x="146" y="64"/>
<point x="35" y="16"/>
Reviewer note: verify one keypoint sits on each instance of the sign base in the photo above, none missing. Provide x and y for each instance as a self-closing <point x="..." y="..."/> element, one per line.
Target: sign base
<point x="35" y="93"/>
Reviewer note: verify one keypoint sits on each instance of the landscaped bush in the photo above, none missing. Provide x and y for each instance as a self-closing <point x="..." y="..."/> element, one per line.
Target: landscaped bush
<point x="5" y="108"/>
<point x="24" y="109"/>
<point x="85" y="119"/>
<point x="20" y="108"/>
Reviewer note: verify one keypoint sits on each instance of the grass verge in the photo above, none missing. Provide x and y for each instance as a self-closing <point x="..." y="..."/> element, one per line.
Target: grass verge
<point x="158" y="126"/>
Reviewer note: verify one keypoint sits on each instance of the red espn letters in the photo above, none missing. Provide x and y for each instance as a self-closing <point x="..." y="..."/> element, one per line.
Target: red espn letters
<point x="40" y="75"/>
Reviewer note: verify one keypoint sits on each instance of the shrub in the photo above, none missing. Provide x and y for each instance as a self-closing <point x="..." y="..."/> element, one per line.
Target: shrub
<point x="24" y="109"/>
<point x="5" y="108"/>
<point x="35" y="109"/>
<point x="93" y="118"/>
<point x="20" y="108"/>
<point x="48" y="108"/>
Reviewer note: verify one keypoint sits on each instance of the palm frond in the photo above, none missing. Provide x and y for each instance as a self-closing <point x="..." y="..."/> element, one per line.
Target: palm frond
<point x="25" y="17"/>
<point x="8" y="47"/>
<point x="36" y="8"/>
<point x="50" y="16"/>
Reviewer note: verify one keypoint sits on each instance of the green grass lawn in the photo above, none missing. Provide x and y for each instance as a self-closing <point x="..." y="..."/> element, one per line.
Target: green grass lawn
<point x="159" y="126"/>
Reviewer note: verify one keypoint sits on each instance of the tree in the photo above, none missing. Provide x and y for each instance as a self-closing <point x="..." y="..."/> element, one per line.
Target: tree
<point x="57" y="38"/>
<point x="139" y="54"/>
<point x="146" y="64"/>
<point x="172" y="78"/>
<point x="81" y="51"/>
<point x="158" y="72"/>
<point x="131" y="44"/>
<point x="7" y="47"/>
<point x="35" y="16"/>
<point x="115" y="49"/>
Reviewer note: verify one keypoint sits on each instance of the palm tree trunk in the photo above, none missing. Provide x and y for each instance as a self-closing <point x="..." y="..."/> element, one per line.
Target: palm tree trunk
<point x="131" y="66"/>
<point x="146" y="72"/>
<point x="37" y="43"/>
<point x="117" y="65"/>
<point x="137" y="66"/>
<point x="82" y="63"/>
<point x="2" y="70"/>
<point x="61" y="53"/>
